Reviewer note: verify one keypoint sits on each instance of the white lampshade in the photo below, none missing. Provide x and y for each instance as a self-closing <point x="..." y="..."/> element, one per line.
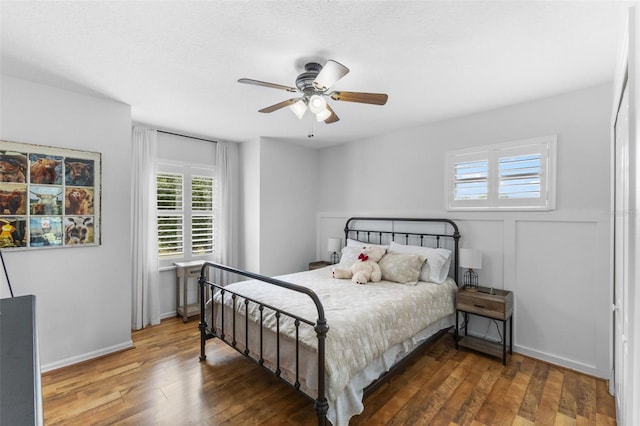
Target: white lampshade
<point x="298" y="108"/>
<point x="317" y="103"/>
<point x="470" y="258"/>
<point x="323" y="115"/>
<point x="334" y="244"/>
<point x="330" y="73"/>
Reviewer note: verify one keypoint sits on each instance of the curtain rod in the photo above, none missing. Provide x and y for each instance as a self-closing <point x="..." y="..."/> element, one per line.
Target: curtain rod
<point x="185" y="136"/>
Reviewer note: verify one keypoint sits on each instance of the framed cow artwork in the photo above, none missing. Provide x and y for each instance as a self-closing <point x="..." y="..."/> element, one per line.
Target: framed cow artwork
<point x="49" y="197"/>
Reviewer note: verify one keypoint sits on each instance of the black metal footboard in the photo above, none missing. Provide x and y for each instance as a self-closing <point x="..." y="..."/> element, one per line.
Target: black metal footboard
<point x="320" y="326"/>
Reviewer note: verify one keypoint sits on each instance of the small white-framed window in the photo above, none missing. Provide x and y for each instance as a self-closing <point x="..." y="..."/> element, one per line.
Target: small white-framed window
<point x="186" y="219"/>
<point x="518" y="175"/>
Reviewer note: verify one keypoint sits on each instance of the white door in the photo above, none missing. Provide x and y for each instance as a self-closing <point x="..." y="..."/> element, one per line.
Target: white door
<point x="621" y="250"/>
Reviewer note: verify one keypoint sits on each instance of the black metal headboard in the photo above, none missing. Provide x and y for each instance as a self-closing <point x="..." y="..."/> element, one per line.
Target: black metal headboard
<point x="426" y="232"/>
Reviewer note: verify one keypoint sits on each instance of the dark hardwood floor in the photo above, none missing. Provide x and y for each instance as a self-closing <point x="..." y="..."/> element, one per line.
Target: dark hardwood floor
<point x="161" y="382"/>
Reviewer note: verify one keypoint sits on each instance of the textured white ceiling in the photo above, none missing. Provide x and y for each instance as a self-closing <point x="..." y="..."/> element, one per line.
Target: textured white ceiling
<point x="177" y="63"/>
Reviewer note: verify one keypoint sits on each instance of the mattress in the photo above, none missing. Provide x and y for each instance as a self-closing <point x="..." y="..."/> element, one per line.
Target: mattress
<point x="371" y="327"/>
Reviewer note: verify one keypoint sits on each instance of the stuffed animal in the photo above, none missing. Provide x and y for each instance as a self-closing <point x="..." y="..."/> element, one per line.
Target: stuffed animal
<point x="364" y="269"/>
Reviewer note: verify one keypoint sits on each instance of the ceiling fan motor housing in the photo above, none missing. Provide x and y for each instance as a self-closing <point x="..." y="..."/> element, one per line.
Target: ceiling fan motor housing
<point x="304" y="82"/>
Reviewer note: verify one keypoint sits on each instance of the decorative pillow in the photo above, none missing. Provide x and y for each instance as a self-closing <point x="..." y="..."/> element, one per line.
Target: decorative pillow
<point x="349" y="256"/>
<point x="359" y="244"/>
<point x="401" y="268"/>
<point x="437" y="261"/>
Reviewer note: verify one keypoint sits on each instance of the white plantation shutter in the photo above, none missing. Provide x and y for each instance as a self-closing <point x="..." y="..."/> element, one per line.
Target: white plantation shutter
<point x="202" y="215"/>
<point x="470" y="180"/>
<point x="520" y="176"/>
<point x="515" y="175"/>
<point x="170" y="214"/>
<point x="469" y="177"/>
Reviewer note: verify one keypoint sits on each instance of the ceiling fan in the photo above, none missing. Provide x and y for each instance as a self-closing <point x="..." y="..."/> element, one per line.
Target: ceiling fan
<point x="314" y="84"/>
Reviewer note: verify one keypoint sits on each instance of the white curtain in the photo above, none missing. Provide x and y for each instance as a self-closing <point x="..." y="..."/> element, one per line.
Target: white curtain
<point x="226" y="223"/>
<point x="144" y="245"/>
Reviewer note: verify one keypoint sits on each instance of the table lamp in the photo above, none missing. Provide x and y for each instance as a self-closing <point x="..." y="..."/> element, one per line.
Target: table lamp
<point x="334" y="245"/>
<point x="470" y="259"/>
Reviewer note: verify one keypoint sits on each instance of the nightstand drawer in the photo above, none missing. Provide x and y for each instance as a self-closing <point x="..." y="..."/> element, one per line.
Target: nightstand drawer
<point x="498" y="306"/>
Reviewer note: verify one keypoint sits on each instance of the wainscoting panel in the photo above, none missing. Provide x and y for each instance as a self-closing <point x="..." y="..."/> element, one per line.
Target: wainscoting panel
<point x="558" y="304"/>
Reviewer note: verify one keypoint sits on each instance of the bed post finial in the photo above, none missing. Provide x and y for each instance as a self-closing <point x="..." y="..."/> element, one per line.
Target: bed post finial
<point x="346" y="232"/>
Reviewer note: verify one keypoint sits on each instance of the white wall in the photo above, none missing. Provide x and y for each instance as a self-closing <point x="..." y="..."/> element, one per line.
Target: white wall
<point x="288" y="180"/>
<point x="556" y="263"/>
<point x="83" y="295"/>
<point x="279" y="193"/>
<point x="249" y="206"/>
<point x="186" y="149"/>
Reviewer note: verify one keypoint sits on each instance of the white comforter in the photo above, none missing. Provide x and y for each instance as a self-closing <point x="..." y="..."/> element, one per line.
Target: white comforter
<point x="364" y="320"/>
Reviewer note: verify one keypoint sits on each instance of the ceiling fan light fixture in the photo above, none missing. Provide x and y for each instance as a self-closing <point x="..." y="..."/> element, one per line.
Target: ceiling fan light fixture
<point x="299" y="108"/>
<point x="325" y="82"/>
<point x="312" y="87"/>
<point x="323" y="115"/>
<point x="317" y="104"/>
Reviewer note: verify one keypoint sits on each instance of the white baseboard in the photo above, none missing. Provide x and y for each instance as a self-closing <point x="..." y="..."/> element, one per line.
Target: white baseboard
<point x="168" y="315"/>
<point x="562" y="362"/>
<point x="87" y="356"/>
<point x="552" y="359"/>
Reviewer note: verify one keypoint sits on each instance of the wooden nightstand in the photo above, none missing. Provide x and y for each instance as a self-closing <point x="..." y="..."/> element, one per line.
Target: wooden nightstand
<point x="318" y="264"/>
<point x="488" y="303"/>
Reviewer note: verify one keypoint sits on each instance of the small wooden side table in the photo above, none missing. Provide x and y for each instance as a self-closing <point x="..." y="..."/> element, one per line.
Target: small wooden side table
<point x="184" y="271"/>
<point x="318" y="264"/>
<point x="489" y="303"/>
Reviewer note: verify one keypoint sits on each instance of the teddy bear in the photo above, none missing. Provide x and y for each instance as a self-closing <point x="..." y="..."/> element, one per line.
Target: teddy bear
<point x="364" y="269"/>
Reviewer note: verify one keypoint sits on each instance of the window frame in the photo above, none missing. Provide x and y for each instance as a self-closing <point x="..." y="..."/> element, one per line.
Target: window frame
<point x="546" y="146"/>
<point x="188" y="171"/>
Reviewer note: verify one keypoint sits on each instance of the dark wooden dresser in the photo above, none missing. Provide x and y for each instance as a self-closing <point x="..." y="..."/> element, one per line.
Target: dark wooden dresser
<point x="20" y="387"/>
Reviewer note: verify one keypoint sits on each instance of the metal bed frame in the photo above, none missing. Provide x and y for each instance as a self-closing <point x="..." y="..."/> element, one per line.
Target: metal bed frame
<point x="389" y="229"/>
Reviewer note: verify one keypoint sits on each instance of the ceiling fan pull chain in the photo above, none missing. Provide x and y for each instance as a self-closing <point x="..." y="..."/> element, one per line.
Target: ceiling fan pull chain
<point x="310" y="135"/>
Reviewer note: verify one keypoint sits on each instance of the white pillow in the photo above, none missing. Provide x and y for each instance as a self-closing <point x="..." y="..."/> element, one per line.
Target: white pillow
<point x="437" y="261"/>
<point x="349" y="256"/>
<point x="360" y="244"/>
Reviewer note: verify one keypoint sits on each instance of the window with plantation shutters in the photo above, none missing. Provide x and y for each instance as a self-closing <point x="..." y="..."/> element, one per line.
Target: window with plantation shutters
<point x="185" y="212"/>
<point x="516" y="175"/>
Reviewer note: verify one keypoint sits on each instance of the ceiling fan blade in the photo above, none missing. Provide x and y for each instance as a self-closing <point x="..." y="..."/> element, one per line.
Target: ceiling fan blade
<point x="360" y="97"/>
<point x="333" y="117"/>
<point x="265" y="84"/>
<point x="279" y="105"/>
<point x="329" y="74"/>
